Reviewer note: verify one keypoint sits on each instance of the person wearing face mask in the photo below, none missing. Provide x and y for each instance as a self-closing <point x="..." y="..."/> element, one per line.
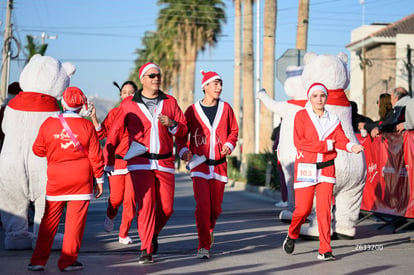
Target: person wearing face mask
<point x="317" y="135"/>
<point x="213" y="133"/>
<point x="120" y="185"/>
<point x="152" y="119"/>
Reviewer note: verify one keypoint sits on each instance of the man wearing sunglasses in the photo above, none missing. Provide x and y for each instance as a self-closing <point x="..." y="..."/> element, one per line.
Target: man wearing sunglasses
<point x="151" y="118"/>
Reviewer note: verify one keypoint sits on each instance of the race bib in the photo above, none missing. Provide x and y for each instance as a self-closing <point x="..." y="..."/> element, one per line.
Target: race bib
<point x="306" y="172"/>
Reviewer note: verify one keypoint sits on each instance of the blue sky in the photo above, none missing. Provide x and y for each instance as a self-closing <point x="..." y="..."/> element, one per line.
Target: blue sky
<point x="100" y="36"/>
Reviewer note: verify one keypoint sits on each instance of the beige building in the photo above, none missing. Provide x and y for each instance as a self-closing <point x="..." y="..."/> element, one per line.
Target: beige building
<point x="385" y="49"/>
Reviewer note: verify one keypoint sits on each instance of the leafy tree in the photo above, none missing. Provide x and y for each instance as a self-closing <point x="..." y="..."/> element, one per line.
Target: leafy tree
<point x="268" y="71"/>
<point x="185" y="27"/>
<point x="247" y="82"/>
<point x="34" y="48"/>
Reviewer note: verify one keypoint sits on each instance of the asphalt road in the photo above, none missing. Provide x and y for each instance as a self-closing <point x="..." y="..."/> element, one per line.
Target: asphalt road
<point x="248" y="239"/>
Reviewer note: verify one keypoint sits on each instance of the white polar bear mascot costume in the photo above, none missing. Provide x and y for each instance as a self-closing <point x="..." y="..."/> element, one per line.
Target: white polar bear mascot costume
<point x="287" y="110"/>
<point x="332" y="71"/>
<point x="22" y="174"/>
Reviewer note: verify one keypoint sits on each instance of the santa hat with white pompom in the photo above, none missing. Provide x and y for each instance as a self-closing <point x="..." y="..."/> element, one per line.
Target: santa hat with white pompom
<point x="208" y="77"/>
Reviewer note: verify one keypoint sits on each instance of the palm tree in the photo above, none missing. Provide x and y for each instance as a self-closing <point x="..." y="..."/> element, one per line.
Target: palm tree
<point x="198" y="23"/>
<point x="158" y="50"/>
<point x="247" y="80"/>
<point x="303" y="22"/>
<point x="237" y="66"/>
<point x="269" y="39"/>
<point x="34" y="48"/>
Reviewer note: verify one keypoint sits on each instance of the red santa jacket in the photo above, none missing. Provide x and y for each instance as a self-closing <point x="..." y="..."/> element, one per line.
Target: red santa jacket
<point x="208" y="140"/>
<point x="69" y="170"/>
<point x="146" y="129"/>
<point x="120" y="166"/>
<point x="314" y="144"/>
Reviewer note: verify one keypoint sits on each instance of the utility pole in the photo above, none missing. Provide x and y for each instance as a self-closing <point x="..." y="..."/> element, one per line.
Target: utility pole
<point x="364" y="89"/>
<point x="6" y="53"/>
<point x="44" y="37"/>
<point x="303" y="22"/>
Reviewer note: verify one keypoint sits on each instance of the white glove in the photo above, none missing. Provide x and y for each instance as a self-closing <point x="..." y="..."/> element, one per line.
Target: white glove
<point x="86" y="112"/>
<point x="260" y="92"/>
<point x="109" y="170"/>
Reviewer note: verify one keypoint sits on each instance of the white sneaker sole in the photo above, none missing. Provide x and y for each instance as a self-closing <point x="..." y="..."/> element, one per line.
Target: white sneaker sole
<point x="322" y="258"/>
<point x="126" y="240"/>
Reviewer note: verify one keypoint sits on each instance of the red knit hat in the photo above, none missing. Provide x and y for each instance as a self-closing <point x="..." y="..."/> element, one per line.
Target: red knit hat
<point x="208" y="77"/>
<point x="317" y="87"/>
<point x="73" y="99"/>
<point x="144" y="68"/>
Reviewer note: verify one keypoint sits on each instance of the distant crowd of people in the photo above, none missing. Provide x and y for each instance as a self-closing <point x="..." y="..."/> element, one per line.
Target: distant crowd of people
<point x="396" y="114"/>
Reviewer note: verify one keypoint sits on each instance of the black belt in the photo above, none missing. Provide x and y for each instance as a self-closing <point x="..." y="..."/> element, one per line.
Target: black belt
<point x="118" y="156"/>
<point x="321" y="165"/>
<point x="157" y="156"/>
<point x="215" y="162"/>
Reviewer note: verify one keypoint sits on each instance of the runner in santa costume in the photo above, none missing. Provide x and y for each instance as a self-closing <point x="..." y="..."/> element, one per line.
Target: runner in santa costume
<point x="213" y="132"/>
<point x="120" y="184"/>
<point x="151" y="118"/>
<point x="317" y="135"/>
<point x="74" y="156"/>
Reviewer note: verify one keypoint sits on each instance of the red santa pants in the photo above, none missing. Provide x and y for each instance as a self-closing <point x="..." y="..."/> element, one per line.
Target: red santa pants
<point x="121" y="191"/>
<point x="74" y="228"/>
<point x="208" y="195"/>
<point x="154" y="196"/>
<point x="303" y="207"/>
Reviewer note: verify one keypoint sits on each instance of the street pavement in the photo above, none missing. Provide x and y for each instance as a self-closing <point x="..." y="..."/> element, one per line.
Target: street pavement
<point x="248" y="239"/>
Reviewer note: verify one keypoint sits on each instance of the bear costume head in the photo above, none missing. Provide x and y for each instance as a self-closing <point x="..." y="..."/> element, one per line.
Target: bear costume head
<point x="293" y="84"/>
<point x="46" y="75"/>
<point x="331" y="70"/>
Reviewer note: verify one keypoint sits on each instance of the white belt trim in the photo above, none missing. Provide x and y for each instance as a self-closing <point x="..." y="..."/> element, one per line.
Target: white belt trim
<point x="135" y="167"/>
<point x="327" y="179"/>
<point x="120" y="172"/>
<point x="209" y="176"/>
<point x="74" y="197"/>
<point x="302" y="184"/>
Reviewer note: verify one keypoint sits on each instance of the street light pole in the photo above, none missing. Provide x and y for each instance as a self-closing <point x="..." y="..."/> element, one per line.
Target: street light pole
<point x="257" y="108"/>
<point x="44" y="37"/>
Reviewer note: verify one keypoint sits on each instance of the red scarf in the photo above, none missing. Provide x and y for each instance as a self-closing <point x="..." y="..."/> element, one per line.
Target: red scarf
<point x="337" y="97"/>
<point x="299" y="102"/>
<point x="34" y="102"/>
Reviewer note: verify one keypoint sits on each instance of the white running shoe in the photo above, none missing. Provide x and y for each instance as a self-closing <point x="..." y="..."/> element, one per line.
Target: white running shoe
<point x="203" y="253"/>
<point x="282" y="204"/>
<point x="108" y="224"/>
<point x="35" y="267"/>
<point x="126" y="240"/>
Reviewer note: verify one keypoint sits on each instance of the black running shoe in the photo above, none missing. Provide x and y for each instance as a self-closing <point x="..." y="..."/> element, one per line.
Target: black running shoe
<point x="154" y="244"/>
<point x="35" y="267"/>
<point x="75" y="266"/>
<point x="289" y="245"/>
<point x="145" y="258"/>
<point x="328" y="256"/>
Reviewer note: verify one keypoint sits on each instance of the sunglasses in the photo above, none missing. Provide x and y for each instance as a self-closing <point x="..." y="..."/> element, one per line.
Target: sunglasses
<point x="154" y="75"/>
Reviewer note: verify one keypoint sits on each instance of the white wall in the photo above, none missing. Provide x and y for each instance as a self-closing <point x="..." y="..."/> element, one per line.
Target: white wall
<point x="401" y="73"/>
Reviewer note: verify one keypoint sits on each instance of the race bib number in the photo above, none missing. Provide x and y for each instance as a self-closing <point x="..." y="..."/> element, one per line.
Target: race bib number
<point x="306" y="172"/>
